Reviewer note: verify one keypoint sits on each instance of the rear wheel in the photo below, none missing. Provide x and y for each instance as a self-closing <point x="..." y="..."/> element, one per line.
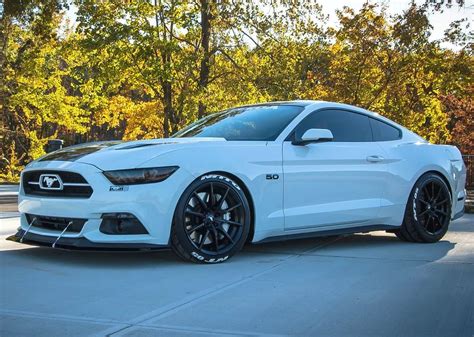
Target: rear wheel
<point x="211" y="221"/>
<point x="428" y="211"/>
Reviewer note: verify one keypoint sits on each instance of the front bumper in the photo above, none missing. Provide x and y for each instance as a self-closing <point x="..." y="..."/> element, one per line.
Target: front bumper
<point x="152" y="204"/>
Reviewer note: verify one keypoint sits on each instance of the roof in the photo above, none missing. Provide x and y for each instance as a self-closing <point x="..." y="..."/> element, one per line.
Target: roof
<point x="302" y="103"/>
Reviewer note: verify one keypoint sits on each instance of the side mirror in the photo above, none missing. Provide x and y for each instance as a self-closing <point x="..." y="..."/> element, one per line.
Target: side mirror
<point x="313" y="136"/>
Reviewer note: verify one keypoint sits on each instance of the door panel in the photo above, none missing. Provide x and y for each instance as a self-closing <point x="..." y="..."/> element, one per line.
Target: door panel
<point x="331" y="184"/>
<point x="337" y="182"/>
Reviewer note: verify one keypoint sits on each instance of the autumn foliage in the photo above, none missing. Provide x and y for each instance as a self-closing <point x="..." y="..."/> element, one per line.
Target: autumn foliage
<point x="461" y="120"/>
<point x="144" y="69"/>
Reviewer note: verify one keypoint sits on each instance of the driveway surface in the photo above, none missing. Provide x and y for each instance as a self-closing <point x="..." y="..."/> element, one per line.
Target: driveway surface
<point x="358" y="285"/>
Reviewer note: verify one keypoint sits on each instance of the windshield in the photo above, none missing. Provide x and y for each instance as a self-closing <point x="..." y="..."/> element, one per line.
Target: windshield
<point x="263" y="122"/>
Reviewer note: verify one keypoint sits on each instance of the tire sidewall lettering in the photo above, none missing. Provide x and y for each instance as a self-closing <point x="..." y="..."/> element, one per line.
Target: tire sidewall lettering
<point x="415" y="196"/>
<point x="217" y="176"/>
<point x="212" y="260"/>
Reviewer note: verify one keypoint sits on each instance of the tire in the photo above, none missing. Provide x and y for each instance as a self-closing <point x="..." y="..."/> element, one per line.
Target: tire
<point x="401" y="236"/>
<point x="211" y="221"/>
<point x="428" y="211"/>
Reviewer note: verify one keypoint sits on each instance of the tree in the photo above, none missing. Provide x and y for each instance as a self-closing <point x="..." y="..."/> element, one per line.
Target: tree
<point x="34" y="103"/>
<point x="461" y="123"/>
<point x="144" y="69"/>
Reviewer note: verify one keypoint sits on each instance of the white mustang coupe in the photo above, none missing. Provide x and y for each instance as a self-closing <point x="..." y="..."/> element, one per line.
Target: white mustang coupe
<point x="248" y="174"/>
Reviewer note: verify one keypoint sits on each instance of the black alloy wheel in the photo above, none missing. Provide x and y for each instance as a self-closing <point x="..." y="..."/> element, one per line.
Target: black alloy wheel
<point x="428" y="211"/>
<point x="432" y="206"/>
<point x="211" y="221"/>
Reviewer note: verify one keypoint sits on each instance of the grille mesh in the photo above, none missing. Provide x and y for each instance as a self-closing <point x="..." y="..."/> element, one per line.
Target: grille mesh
<point x="74" y="185"/>
<point x="56" y="223"/>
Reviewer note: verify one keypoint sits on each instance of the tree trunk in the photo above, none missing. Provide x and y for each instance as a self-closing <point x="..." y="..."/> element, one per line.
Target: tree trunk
<point x="169" y="117"/>
<point x="205" y="68"/>
<point x="166" y="85"/>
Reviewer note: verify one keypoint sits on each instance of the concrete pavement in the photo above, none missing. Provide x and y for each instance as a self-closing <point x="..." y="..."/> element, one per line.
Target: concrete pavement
<point x="357" y="285"/>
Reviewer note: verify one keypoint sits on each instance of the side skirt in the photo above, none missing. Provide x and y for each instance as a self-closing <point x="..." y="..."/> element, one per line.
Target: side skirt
<point x="330" y="232"/>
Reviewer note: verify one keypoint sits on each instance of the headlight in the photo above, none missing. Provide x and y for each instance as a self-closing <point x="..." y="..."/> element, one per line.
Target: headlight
<point x="140" y="176"/>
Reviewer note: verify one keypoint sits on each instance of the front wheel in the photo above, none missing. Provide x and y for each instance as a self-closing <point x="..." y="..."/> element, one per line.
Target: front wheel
<point x="428" y="211"/>
<point x="211" y="221"/>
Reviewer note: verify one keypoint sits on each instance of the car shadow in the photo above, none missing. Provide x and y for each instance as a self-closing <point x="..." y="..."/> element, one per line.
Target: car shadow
<point x="373" y="246"/>
<point x="93" y="259"/>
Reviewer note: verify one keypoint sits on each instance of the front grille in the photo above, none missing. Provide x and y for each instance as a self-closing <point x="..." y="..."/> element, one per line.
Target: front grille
<point x="63" y="184"/>
<point x="56" y="223"/>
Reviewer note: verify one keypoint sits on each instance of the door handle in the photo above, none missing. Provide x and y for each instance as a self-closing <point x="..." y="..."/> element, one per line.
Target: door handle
<point x="374" y="159"/>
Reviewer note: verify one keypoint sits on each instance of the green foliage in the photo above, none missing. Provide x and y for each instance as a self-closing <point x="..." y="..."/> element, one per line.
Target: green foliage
<point x="143" y="69"/>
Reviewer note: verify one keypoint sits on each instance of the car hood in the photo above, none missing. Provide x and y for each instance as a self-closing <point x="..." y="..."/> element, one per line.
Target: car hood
<point x="118" y="154"/>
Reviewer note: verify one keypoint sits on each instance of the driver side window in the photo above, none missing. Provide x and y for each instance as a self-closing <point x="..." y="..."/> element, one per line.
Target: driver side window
<point x="345" y="126"/>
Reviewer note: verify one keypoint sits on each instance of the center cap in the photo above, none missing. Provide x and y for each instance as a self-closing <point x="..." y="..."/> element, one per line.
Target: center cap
<point x="210" y="218"/>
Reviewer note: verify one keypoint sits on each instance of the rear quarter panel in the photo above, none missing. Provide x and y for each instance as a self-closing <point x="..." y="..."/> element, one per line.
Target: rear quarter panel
<point x="409" y="161"/>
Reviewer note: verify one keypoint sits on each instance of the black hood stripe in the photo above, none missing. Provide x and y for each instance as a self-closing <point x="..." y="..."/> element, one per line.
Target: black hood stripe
<point x="73" y="153"/>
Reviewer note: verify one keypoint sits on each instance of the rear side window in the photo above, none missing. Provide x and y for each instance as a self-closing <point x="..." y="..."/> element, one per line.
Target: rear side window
<point x="345" y="126"/>
<point x="383" y="132"/>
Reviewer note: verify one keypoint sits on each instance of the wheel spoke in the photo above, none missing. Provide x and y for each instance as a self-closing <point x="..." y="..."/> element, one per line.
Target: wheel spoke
<point x="232" y="208"/>
<point x="428" y="222"/>
<point x="441" y="202"/>
<point x="438" y="194"/>
<point x="441" y="212"/>
<point x="424" y="202"/>
<point x="200" y="201"/>
<point x="216" y="239"/>
<point x="223" y="231"/>
<point x="424" y="212"/>
<point x="432" y="190"/>
<point x="203" y="239"/>
<point x="188" y="211"/>
<point x="230" y="222"/>
<point x="222" y="199"/>
<point x="436" y="223"/>
<point x="426" y="192"/>
<point x="195" y="228"/>
<point x="212" y="197"/>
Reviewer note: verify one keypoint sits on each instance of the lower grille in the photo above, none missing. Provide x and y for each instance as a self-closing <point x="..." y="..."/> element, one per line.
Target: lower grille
<point x="56" y="223"/>
<point x="61" y="184"/>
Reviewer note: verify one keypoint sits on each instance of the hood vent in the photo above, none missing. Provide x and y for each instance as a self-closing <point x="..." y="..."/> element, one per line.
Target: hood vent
<point x="136" y="146"/>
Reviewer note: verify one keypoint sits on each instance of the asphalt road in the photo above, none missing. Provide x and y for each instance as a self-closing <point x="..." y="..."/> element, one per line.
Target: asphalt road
<point x="359" y="285"/>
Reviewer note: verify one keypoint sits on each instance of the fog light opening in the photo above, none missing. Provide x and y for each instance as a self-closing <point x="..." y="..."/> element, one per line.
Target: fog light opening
<point x="121" y="224"/>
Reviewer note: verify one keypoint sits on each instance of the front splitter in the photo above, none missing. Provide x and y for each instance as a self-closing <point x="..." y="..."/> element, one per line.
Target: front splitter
<point x="79" y="243"/>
